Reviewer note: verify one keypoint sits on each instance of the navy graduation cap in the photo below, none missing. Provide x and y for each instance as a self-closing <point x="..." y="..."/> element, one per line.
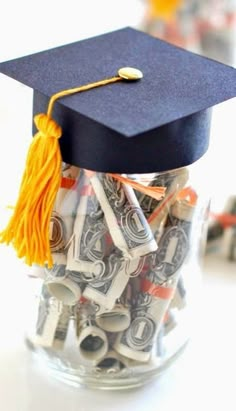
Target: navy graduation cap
<point x="158" y="123"/>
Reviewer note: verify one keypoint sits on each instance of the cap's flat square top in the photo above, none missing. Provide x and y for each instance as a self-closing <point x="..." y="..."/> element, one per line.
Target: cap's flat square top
<point x="176" y="82"/>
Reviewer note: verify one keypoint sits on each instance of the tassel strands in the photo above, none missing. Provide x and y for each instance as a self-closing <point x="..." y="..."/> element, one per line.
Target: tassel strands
<point x="28" y="228"/>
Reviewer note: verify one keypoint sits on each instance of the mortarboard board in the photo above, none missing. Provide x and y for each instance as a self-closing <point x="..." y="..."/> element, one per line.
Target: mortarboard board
<point x="159" y="123"/>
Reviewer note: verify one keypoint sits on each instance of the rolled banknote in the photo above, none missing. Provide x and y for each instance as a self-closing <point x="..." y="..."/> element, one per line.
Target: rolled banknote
<point x="92" y="342"/>
<point x="62" y="219"/>
<point x="61" y="286"/>
<point x="112" y="362"/>
<point x="62" y="328"/>
<point x="109" y="287"/>
<point x="115" y="320"/>
<point x="49" y="312"/>
<point x="126" y="222"/>
<point x="90" y="234"/>
<point x="158" y="286"/>
<point x="137" y="341"/>
<point x="156" y="211"/>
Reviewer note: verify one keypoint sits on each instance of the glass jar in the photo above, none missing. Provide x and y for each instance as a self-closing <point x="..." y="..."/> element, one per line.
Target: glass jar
<point x="117" y="306"/>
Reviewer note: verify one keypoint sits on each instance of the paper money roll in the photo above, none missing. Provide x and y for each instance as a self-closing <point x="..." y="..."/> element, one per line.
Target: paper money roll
<point x="62" y="219"/>
<point x="61" y="286"/>
<point x="113" y="362"/>
<point x="64" y="290"/>
<point x="156" y="211"/>
<point x="137" y="341"/>
<point x="62" y="328"/>
<point x="126" y="222"/>
<point x="92" y="341"/>
<point x="49" y="312"/>
<point x="106" y="290"/>
<point x="114" y="320"/>
<point x="89" y="245"/>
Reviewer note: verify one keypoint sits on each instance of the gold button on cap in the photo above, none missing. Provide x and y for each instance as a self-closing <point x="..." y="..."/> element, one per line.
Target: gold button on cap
<point x="130" y="73"/>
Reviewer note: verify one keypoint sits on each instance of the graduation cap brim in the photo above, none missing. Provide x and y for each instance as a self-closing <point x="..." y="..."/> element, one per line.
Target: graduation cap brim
<point x="159" y="123"/>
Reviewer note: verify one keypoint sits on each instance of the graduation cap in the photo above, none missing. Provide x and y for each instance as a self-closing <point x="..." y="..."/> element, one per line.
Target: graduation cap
<point x="159" y="123"/>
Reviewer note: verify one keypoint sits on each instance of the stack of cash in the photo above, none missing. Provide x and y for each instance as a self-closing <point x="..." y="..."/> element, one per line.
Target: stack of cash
<point x="118" y="257"/>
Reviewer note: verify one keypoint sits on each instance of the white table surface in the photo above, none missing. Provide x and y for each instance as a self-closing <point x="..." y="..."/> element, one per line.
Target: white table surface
<point x="203" y="378"/>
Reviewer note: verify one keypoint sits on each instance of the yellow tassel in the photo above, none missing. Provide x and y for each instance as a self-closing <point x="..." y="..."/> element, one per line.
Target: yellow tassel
<point x="28" y="228"/>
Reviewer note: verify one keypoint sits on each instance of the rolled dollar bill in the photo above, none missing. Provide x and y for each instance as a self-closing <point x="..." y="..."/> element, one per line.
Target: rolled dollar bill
<point x="88" y="247"/>
<point x="62" y="328"/>
<point x="92" y="341"/>
<point x="158" y="286"/>
<point x="114" y="320"/>
<point x="113" y="362"/>
<point x="61" y="286"/>
<point x="109" y="287"/>
<point x="49" y="312"/>
<point x="156" y="211"/>
<point x="62" y="219"/>
<point x="127" y="224"/>
<point x="137" y="341"/>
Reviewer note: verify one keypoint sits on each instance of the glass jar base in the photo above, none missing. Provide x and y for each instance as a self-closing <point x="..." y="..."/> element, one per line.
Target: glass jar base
<point x="102" y="379"/>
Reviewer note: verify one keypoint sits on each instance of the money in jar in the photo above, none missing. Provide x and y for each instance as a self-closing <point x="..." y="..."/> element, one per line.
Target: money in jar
<point x="106" y="290"/>
<point x="126" y="222"/>
<point x="158" y="285"/>
<point x="156" y="211"/>
<point x="114" y="152"/>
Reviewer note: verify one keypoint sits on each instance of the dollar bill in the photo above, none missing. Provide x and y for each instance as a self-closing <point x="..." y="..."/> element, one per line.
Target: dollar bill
<point x="112" y="362"/>
<point x="49" y="312"/>
<point x="62" y="219"/>
<point x="156" y="211"/>
<point x="127" y="224"/>
<point x="115" y="320"/>
<point x="90" y="238"/>
<point x="137" y="341"/>
<point x="109" y="287"/>
<point x="62" y="285"/>
<point x="91" y="340"/>
<point x="157" y="287"/>
<point x="62" y="328"/>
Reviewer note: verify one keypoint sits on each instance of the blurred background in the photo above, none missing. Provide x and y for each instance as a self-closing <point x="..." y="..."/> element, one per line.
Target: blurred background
<point x="206" y="27"/>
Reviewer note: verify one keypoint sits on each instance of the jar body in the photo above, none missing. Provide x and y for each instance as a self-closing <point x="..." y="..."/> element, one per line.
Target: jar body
<point x="116" y="307"/>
